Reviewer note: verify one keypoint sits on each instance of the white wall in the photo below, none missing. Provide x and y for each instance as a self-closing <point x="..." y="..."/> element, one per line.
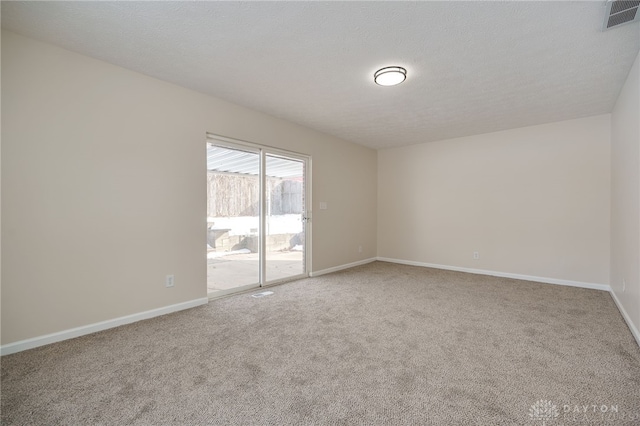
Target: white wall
<point x="625" y="197"/>
<point x="91" y="152"/>
<point x="532" y="201"/>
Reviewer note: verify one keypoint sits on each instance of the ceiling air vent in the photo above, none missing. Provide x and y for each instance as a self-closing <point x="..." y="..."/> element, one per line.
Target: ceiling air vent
<point x="621" y="12"/>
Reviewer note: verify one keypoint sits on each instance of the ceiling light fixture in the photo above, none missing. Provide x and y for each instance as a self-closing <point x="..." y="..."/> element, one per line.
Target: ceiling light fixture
<point x="390" y="76"/>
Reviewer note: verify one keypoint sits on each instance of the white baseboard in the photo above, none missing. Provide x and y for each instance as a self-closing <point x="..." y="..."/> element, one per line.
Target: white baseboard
<point x="627" y="318"/>
<point x="104" y="325"/>
<point x="99" y="326"/>
<point x="341" y="267"/>
<point x="545" y="280"/>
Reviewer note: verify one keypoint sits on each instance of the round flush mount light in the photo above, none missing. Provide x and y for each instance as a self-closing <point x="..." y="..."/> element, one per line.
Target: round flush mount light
<point x="390" y="76"/>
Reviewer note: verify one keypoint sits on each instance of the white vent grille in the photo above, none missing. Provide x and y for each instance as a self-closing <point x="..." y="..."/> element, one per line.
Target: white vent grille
<point x="621" y="12"/>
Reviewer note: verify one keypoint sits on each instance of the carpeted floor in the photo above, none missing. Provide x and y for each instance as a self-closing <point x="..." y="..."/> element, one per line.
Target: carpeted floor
<point x="377" y="344"/>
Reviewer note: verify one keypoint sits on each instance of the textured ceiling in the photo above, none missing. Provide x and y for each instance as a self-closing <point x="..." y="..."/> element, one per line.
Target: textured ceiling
<point x="473" y="67"/>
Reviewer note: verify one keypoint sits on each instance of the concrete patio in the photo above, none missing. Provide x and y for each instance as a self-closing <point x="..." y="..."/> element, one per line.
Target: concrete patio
<point x="237" y="270"/>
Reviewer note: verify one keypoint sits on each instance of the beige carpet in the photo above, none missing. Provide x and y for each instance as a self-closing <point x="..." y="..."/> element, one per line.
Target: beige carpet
<point x="377" y="344"/>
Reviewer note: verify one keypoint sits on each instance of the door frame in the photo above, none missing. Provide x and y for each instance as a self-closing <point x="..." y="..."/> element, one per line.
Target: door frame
<point x="263" y="151"/>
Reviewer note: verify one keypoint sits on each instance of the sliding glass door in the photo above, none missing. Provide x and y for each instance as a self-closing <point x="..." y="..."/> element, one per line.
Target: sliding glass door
<point x="257" y="216"/>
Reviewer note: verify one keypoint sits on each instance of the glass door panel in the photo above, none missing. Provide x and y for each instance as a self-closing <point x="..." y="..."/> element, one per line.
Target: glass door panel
<point x="233" y="219"/>
<point x="256" y="215"/>
<point x="284" y="217"/>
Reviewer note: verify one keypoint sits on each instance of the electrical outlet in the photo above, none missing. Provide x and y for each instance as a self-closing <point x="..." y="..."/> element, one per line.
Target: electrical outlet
<point x="476" y="255"/>
<point x="359" y="249"/>
<point x="169" y="281"/>
<point x="624" y="285"/>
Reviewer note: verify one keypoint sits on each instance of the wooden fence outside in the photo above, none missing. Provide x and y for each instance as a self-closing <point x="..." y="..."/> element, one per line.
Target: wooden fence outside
<point x="233" y="195"/>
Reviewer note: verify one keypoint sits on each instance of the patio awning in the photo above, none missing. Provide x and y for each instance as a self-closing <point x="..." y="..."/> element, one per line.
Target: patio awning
<point x="227" y="160"/>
